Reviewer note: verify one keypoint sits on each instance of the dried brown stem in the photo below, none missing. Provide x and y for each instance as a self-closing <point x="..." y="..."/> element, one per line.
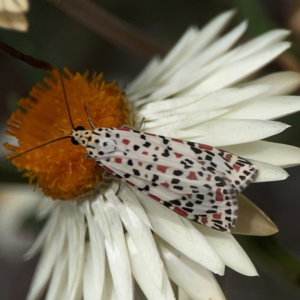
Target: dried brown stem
<point x="30" y="60"/>
<point x="288" y="62"/>
<point x="111" y="28"/>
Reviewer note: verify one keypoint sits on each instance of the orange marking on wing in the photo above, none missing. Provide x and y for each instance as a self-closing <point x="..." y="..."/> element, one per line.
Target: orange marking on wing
<point x="236" y="167"/>
<point x="192" y="176"/>
<point x="165" y="184"/>
<point x="205" y="147"/>
<point x="177" y="140"/>
<point x="118" y="160"/>
<point x="151" y="134"/>
<point x="125" y="141"/>
<point x="180" y="211"/>
<point x="161" y="169"/>
<point x="228" y="157"/>
<point x="154" y="197"/>
<point x="204" y="220"/>
<point x="219" y="195"/>
<point x="217" y="216"/>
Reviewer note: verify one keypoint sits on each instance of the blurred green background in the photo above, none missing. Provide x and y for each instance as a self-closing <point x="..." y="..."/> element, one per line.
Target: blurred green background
<point x="57" y="38"/>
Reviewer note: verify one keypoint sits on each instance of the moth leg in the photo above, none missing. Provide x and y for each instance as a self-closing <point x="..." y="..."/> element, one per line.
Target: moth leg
<point x="130" y="127"/>
<point x="126" y="126"/>
<point x="141" y="123"/>
<point x="106" y="175"/>
<point x="88" y="117"/>
<point x="87" y="156"/>
<point x="118" y="190"/>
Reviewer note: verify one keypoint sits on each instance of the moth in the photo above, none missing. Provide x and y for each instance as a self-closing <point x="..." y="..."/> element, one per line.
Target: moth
<point x="196" y="181"/>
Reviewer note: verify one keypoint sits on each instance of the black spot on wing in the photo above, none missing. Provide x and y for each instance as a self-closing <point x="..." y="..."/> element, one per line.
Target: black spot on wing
<point x="177" y="173"/>
<point x="166" y="153"/>
<point x="175" y="181"/>
<point x="136" y="172"/>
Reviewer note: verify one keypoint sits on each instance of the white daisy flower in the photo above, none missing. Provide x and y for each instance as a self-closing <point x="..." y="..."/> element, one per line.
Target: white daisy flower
<point x="108" y="236"/>
<point x="12" y="14"/>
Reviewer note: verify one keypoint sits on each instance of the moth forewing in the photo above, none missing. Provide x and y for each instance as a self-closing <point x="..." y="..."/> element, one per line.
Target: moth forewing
<point x="197" y="181"/>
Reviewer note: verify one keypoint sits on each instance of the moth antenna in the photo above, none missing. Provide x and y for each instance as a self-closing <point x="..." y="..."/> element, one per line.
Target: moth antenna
<point x="30" y="60"/>
<point x="40" y="146"/>
<point x="88" y="117"/>
<point x="66" y="100"/>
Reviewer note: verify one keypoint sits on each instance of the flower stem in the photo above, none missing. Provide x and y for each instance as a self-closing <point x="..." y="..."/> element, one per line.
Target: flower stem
<point x="111" y="28"/>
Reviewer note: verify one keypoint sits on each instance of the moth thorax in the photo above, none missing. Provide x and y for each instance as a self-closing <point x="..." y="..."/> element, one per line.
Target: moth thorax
<point x="80" y="137"/>
<point x="107" y="145"/>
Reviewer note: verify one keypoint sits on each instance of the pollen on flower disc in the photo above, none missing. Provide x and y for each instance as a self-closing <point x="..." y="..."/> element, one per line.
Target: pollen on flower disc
<point x="59" y="168"/>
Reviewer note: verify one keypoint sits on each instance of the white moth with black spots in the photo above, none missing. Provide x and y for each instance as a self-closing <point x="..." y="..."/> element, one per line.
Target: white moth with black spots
<point x="194" y="180"/>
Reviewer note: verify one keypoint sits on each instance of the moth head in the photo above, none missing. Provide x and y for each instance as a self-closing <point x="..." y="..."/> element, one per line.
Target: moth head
<point x="80" y="136"/>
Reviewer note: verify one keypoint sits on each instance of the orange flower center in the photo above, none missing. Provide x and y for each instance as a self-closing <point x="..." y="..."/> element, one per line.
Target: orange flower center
<point x="60" y="168"/>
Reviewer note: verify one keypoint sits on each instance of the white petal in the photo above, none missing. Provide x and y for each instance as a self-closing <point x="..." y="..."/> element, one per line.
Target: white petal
<point x="144" y="279"/>
<point x="142" y="238"/>
<point x="185" y="120"/>
<point x="93" y="280"/>
<point x="98" y="208"/>
<point x="90" y="289"/>
<point x="45" y="207"/>
<point x="183" y="295"/>
<point x="167" y="105"/>
<point x="268" y="172"/>
<point x="76" y="242"/>
<point x="59" y="279"/>
<point x="281" y="83"/>
<point x="199" y="111"/>
<point x="109" y="292"/>
<point x="51" y="251"/>
<point x="225" y="132"/>
<point x="46" y="234"/>
<point x="186" y="49"/>
<point x="218" y="48"/>
<point x="16" y="21"/>
<point x="266" y="108"/>
<point x="238" y="70"/>
<point x="252" y="220"/>
<point x="131" y="202"/>
<point x="192" y="42"/>
<point x="136" y="88"/>
<point x="272" y="153"/>
<point x="179" y="232"/>
<point x="195" y="280"/>
<point x="117" y="254"/>
<point x="194" y="110"/>
<point x="259" y="43"/>
<point x="229" y="250"/>
<point x="180" y="86"/>
<point x="15" y="6"/>
<point x="225" y="97"/>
